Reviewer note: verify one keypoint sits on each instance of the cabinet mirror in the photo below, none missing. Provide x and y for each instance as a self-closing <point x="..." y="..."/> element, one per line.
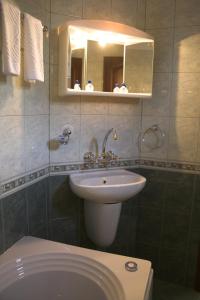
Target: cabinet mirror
<point x="107" y="54"/>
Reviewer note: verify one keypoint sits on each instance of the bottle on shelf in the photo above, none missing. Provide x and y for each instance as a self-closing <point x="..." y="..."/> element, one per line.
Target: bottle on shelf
<point x="123" y="88"/>
<point x="89" y="86"/>
<point x="77" y="86"/>
<point x="116" y="88"/>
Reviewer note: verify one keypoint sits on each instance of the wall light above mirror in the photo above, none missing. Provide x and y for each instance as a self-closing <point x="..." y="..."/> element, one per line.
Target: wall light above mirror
<point x="105" y="58"/>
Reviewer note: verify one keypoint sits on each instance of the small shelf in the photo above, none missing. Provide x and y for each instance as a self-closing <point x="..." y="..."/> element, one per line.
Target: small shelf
<point x="105" y="94"/>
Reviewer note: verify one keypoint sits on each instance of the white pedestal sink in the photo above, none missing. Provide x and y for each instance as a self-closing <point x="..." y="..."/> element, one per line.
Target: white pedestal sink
<point x="103" y="192"/>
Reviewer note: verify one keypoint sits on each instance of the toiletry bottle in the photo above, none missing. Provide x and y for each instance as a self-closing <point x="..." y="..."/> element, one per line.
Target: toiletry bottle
<point x="116" y="88"/>
<point x="89" y="86"/>
<point x="123" y="88"/>
<point x="77" y="86"/>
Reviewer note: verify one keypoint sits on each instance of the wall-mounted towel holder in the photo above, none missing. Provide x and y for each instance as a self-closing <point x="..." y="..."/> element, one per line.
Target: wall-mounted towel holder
<point x="151" y="138"/>
<point x="45" y="27"/>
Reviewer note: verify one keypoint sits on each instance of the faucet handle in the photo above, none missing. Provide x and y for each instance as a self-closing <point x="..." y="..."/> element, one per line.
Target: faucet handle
<point x="89" y="157"/>
<point x="111" y="155"/>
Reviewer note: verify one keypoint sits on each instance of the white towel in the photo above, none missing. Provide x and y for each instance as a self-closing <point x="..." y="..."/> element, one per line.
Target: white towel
<point x="10" y="38"/>
<point x="33" y="49"/>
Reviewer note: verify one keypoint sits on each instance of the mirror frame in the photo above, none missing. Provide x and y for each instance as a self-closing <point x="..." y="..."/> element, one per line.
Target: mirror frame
<point x="64" y="54"/>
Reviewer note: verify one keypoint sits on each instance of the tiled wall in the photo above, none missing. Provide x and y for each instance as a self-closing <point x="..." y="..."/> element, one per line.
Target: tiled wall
<point x="175" y="105"/>
<point x="48" y="209"/>
<point x="168" y="229"/>
<point x="24" y="108"/>
<point x="91" y="117"/>
<point x="24" y="112"/>
<point x="160" y="224"/>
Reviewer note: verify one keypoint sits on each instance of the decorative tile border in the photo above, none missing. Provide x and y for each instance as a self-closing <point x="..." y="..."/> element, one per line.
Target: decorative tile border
<point x="21" y="182"/>
<point x="91" y="166"/>
<point x="168" y="165"/>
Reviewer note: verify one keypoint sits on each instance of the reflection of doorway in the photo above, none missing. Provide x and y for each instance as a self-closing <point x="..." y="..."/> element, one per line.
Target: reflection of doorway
<point x="76" y="70"/>
<point x="112" y="73"/>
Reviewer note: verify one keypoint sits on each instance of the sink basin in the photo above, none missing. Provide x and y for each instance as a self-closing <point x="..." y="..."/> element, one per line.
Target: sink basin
<point x="107" y="186"/>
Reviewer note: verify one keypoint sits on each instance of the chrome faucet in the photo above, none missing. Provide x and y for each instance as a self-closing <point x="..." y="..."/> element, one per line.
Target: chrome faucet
<point x="104" y="156"/>
<point x="115" y="137"/>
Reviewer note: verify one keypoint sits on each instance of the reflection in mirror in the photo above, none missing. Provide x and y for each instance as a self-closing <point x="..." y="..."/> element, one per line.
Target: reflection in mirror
<point x="77" y="67"/>
<point x="105" y="53"/>
<point x="139" y="67"/>
<point x="104" y="65"/>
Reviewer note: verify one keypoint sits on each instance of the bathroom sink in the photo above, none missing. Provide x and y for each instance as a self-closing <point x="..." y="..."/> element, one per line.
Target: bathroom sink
<point x="107" y="186"/>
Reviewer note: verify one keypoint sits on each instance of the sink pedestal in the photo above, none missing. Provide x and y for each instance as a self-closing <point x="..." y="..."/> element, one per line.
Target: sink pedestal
<point x="101" y="221"/>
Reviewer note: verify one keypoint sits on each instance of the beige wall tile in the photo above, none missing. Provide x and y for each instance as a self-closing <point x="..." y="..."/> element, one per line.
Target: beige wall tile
<point x="159" y="104"/>
<point x="93" y="130"/>
<point x="187" y="49"/>
<point x="159" y="13"/>
<point x="36" y="142"/>
<point x="66" y="104"/>
<point x="185" y="95"/>
<point x="124" y="106"/>
<point x="12" y="155"/>
<point x="56" y="21"/>
<point x="67" y="7"/>
<point x="64" y="153"/>
<point x="11" y="96"/>
<point x="154" y="139"/>
<point x="128" y="130"/>
<point x="187" y="12"/>
<point x="93" y="9"/>
<point x="94" y="105"/>
<point x="36" y="96"/>
<point x="141" y="14"/>
<point x="125" y="11"/>
<point x="183" y="139"/>
<point x="163" y="55"/>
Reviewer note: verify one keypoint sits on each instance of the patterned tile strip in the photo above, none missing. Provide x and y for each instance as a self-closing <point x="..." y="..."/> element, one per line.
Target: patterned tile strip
<point x="56" y="169"/>
<point x="21" y="181"/>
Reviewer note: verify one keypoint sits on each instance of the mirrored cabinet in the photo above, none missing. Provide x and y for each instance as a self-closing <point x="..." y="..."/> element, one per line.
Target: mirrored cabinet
<point x="104" y="58"/>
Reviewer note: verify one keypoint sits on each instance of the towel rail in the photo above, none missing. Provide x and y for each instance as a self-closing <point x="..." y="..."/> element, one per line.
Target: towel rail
<point x="45" y="27"/>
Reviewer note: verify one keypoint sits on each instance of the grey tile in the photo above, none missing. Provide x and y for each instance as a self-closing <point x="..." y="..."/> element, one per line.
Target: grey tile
<point x="1" y="228"/>
<point x="149" y="226"/>
<point x="130" y="207"/>
<point x="179" y="196"/>
<point x="175" y="230"/>
<point x="152" y="195"/>
<point x="148" y="252"/>
<point x="125" y="236"/>
<point x="192" y="263"/>
<point x="172" y="265"/>
<point x="62" y="201"/>
<point x="15" y="219"/>
<point x="163" y="290"/>
<point x="37" y="197"/>
<point x="65" y="231"/>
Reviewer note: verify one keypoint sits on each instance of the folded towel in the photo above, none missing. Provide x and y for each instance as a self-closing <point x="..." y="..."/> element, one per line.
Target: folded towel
<point x="33" y="49"/>
<point x="10" y="38"/>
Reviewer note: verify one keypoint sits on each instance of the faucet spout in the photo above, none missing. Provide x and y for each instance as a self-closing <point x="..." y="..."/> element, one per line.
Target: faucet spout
<point x="106" y="139"/>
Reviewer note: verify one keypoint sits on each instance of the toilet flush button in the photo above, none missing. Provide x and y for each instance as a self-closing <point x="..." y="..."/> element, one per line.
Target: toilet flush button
<point x="131" y="266"/>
